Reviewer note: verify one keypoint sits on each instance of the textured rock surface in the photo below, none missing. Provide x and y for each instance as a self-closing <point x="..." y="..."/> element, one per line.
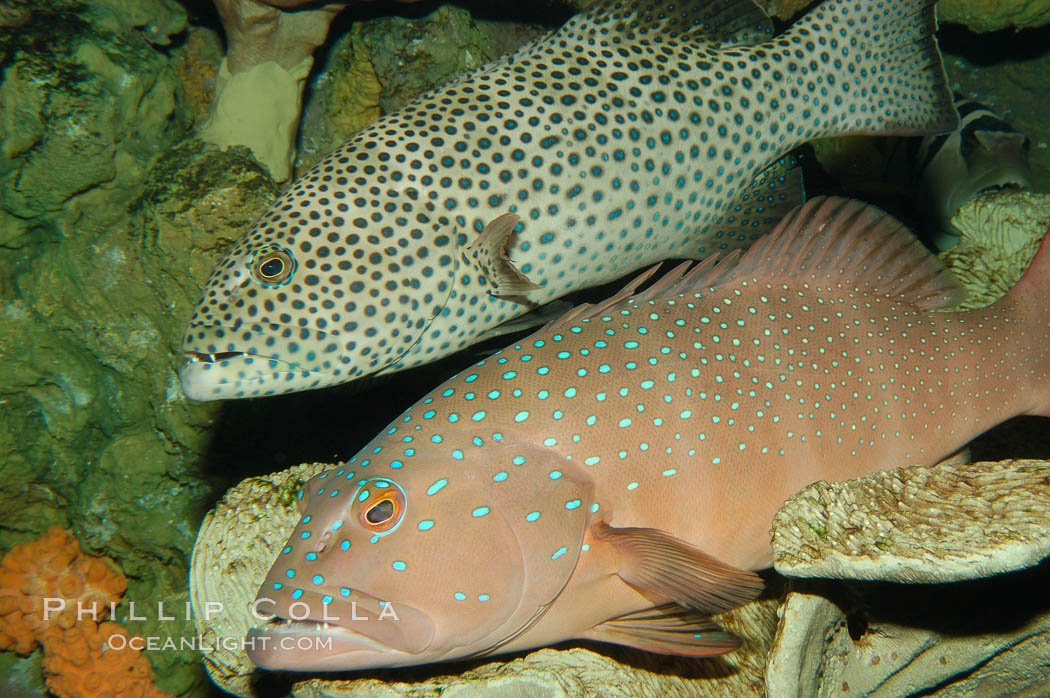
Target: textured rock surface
<point x="983" y="638"/>
<point x="992" y="15"/>
<point x="920" y="524"/>
<point x="945" y="523"/>
<point x="1000" y="234"/>
<point x="382" y="63"/>
<point x="235" y="547"/>
<point x="239" y="541"/>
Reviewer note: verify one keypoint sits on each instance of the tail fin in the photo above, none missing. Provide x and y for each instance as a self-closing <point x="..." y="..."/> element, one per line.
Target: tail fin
<point x="1027" y="300"/>
<point x="879" y="72"/>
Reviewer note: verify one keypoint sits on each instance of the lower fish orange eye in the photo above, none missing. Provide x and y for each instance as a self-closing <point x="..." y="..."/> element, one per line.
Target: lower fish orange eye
<point x="379" y="505"/>
<point x="380" y="512"/>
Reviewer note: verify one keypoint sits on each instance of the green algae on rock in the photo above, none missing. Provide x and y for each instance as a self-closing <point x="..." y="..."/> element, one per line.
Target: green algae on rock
<point x="383" y="62"/>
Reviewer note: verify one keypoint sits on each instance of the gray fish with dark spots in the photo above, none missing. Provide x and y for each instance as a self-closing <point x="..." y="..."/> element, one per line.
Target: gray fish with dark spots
<point x="636" y="132"/>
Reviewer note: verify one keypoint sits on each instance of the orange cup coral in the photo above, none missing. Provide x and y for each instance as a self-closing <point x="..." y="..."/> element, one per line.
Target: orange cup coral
<point x="52" y="567"/>
<point x="52" y="594"/>
<point x="81" y="663"/>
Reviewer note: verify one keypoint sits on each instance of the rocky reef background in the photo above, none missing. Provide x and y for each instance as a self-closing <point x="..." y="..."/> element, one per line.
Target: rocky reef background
<point x="112" y="214"/>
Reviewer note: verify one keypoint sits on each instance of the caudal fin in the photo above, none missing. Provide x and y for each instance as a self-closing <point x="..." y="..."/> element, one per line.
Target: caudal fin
<point x="879" y="72"/>
<point x="1027" y="301"/>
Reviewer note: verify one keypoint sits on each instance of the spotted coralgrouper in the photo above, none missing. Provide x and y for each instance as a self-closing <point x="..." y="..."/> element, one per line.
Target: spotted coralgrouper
<point x="637" y="132"/>
<point x="614" y="475"/>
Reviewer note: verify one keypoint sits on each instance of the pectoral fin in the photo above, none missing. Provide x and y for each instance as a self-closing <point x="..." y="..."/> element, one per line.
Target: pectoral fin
<point x="668" y="629"/>
<point x="666" y="569"/>
<point x="489" y="254"/>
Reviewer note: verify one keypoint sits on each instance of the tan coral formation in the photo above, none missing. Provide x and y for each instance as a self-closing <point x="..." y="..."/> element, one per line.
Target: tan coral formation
<point x="241" y="537"/>
<point x="814" y="654"/>
<point x="236" y="545"/>
<point x="920" y="524"/>
<point x="943" y="523"/>
<point x="1000" y="235"/>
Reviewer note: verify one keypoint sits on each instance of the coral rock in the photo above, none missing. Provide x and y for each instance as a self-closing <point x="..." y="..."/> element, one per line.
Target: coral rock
<point x="52" y="567"/>
<point x="1000" y="235"/>
<point x="942" y="523"/>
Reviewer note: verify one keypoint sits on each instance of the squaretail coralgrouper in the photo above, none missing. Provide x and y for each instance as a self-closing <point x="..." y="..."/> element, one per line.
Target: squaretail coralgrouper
<point x="635" y="133"/>
<point x="614" y="475"/>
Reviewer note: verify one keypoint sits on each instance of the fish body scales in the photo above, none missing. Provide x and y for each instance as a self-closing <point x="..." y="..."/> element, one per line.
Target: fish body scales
<point x="743" y="394"/>
<point x="634" y="133"/>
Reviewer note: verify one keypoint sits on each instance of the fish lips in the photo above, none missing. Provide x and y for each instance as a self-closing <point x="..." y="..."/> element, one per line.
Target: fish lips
<point x="216" y="375"/>
<point x="349" y="632"/>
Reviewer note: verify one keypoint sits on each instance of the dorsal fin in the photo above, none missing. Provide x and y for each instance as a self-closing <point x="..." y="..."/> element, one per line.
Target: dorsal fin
<point x="723" y="23"/>
<point x="829" y="241"/>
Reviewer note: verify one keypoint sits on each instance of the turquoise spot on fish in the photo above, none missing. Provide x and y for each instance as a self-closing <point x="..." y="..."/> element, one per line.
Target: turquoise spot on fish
<point x="297" y="594"/>
<point x="532" y="516"/>
<point x="521" y="416"/>
<point x="363" y="495"/>
<point x="592" y="460"/>
<point x="436" y="487"/>
<point x="480" y="511"/>
<point x="483" y="597"/>
<point x="399" y="565"/>
<point x="345" y="545"/>
<point x="478" y="416"/>
<point x="457" y="454"/>
<point x="500" y="476"/>
<point x="572" y="504"/>
<point x="318" y="579"/>
<point x="554" y="474"/>
<point x="425" y="525"/>
<point x="559" y="552"/>
<point x="459" y="596"/>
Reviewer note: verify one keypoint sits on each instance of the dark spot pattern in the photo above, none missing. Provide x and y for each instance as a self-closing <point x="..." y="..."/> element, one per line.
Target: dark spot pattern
<point x="633" y="134"/>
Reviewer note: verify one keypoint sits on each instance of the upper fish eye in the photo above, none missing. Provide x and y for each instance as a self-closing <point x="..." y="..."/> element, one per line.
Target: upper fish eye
<point x="273" y="266"/>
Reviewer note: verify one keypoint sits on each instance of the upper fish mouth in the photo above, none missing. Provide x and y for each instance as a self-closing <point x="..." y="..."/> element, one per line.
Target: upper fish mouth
<point x="195" y="356"/>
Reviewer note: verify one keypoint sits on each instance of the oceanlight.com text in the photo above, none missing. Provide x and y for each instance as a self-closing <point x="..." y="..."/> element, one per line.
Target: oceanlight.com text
<point x="198" y="643"/>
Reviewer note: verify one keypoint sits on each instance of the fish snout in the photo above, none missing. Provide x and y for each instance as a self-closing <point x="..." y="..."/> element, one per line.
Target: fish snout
<point x="353" y="630"/>
<point x="225" y="362"/>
